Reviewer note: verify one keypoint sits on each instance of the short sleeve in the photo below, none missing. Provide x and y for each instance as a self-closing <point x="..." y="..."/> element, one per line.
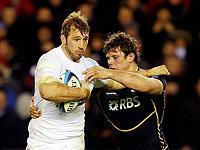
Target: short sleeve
<point x="162" y="79"/>
<point x="47" y="66"/>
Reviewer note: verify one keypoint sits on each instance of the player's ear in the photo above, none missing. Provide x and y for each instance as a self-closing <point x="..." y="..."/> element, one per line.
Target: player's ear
<point x="63" y="38"/>
<point x="131" y="57"/>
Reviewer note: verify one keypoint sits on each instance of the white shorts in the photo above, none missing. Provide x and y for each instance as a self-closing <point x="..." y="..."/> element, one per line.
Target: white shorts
<point x="77" y="143"/>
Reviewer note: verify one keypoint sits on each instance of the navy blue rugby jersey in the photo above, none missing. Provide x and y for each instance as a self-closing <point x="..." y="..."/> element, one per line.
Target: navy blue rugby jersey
<point x="135" y="117"/>
<point x="127" y="110"/>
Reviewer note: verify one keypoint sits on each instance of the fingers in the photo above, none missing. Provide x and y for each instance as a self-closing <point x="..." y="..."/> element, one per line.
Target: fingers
<point x="32" y="101"/>
<point x="160" y="70"/>
<point x="85" y="85"/>
<point x="35" y="116"/>
<point x="87" y="74"/>
<point x="95" y="73"/>
<point x="34" y="111"/>
<point x="165" y="70"/>
<point x="92" y="69"/>
<point x="89" y="70"/>
<point x="87" y="90"/>
<point x="90" y="74"/>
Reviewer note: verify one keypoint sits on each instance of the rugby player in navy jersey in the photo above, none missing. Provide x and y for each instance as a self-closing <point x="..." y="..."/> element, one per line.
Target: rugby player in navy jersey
<point x="136" y="111"/>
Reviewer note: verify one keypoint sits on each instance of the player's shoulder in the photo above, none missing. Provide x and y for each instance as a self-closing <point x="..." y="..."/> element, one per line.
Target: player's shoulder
<point x="89" y="61"/>
<point x="49" y="58"/>
<point x="51" y="54"/>
<point x="161" y="78"/>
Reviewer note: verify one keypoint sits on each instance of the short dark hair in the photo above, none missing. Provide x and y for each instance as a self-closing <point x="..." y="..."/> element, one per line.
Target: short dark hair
<point x="127" y="44"/>
<point x="76" y="20"/>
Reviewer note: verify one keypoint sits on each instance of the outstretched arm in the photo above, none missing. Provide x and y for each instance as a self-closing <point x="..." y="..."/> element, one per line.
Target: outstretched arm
<point x="136" y="80"/>
<point x="156" y="71"/>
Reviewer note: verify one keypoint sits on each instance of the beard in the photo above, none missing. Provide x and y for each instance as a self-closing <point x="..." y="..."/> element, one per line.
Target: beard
<point x="72" y="55"/>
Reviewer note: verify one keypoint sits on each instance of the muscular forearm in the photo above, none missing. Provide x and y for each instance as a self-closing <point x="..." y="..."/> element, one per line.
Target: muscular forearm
<point x="58" y="92"/>
<point x="114" y="84"/>
<point x="136" y="80"/>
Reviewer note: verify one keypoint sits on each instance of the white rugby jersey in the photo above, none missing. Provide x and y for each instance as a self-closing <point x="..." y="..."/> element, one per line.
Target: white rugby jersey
<point x="53" y="125"/>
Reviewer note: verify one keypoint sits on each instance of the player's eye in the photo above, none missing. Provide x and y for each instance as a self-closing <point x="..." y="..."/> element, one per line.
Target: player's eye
<point x="85" y="39"/>
<point x="115" y="57"/>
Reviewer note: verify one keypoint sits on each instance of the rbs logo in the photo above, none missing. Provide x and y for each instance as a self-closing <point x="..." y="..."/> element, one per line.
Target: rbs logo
<point x="125" y="103"/>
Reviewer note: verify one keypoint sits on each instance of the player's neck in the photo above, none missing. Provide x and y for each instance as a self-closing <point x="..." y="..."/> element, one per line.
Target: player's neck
<point x="68" y="55"/>
<point x="133" y="68"/>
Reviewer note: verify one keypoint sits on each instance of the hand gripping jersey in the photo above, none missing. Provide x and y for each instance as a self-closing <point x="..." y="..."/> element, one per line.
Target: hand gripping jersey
<point x="135" y="118"/>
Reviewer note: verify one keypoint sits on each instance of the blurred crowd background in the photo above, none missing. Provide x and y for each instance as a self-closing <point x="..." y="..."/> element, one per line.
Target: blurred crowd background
<point x="167" y="29"/>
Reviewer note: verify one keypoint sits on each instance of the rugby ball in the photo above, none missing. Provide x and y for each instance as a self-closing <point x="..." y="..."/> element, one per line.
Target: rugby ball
<point x="70" y="79"/>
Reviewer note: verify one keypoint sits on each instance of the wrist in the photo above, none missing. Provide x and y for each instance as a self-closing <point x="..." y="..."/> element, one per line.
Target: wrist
<point x="85" y="93"/>
<point x="148" y="72"/>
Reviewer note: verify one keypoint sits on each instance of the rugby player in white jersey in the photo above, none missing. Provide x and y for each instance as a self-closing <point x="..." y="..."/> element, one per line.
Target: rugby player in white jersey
<point x="57" y="130"/>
